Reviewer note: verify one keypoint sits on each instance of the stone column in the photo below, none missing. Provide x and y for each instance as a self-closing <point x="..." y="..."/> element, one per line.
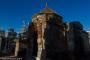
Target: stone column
<point x="17" y="48"/>
<point x="40" y="25"/>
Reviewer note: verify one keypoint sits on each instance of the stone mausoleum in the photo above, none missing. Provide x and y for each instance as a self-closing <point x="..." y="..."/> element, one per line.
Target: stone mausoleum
<point x="47" y="34"/>
<point x="47" y="37"/>
<point x="53" y="39"/>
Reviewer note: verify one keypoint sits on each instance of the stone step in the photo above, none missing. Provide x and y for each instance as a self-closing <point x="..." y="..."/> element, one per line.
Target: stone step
<point x="10" y="58"/>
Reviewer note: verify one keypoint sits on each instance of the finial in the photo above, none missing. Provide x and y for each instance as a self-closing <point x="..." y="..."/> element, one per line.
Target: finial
<point x="46" y="5"/>
<point x="24" y="28"/>
<point x="24" y="23"/>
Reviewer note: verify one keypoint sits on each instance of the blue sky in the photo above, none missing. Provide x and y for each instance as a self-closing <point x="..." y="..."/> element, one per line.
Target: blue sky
<point x="13" y="12"/>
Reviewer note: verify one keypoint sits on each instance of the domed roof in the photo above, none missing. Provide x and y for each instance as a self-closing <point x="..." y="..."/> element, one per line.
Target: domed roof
<point x="47" y="10"/>
<point x="48" y="14"/>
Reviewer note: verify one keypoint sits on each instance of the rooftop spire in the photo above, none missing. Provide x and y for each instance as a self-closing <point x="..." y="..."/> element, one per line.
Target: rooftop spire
<point x="46" y="6"/>
<point x="24" y="24"/>
<point x="46" y="9"/>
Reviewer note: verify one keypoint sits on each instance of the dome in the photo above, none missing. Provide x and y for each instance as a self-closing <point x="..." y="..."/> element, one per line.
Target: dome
<point x="47" y="10"/>
<point x="46" y="14"/>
